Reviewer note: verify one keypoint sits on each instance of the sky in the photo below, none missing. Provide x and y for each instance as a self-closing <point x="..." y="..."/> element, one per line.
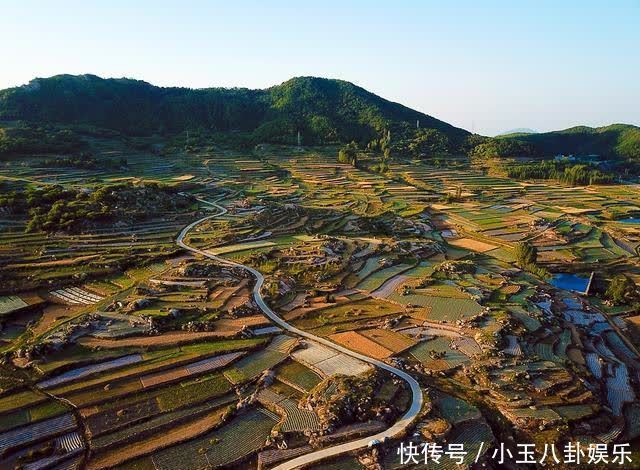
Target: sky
<point x="486" y="66"/>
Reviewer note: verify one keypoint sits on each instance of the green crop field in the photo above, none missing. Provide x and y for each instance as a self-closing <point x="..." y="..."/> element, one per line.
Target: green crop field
<point x="297" y="375"/>
<point x="252" y="366"/>
<point x="243" y="435"/>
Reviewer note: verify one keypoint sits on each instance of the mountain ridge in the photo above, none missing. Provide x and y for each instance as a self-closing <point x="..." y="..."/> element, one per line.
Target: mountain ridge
<point x="324" y="110"/>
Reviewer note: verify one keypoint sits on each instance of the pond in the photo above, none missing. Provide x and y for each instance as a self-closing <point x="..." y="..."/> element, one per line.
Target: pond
<point x="572" y="282"/>
<point x="631" y="220"/>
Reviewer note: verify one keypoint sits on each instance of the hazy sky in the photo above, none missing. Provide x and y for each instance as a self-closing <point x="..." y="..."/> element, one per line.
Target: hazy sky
<point x="482" y="65"/>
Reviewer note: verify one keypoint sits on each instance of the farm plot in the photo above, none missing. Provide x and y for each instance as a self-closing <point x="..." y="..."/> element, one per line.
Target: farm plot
<point x="85" y="371"/>
<point x="298" y="376"/>
<point x="390" y="286"/>
<point x="475" y="436"/>
<point x="296" y="419"/>
<point x="527" y="319"/>
<point x="252" y="366"/>
<point x="199" y="367"/>
<point x="612" y="434"/>
<point x="117" y="414"/>
<point x="127" y="433"/>
<point x="194" y="391"/>
<point x="152" y="359"/>
<point x="176" y="433"/>
<point x="22" y="416"/>
<point x="632" y="420"/>
<point x="619" y="389"/>
<point x="371" y="265"/>
<point x="17" y="400"/>
<point x="544" y="350"/>
<point x="472" y="245"/>
<point x="455" y="410"/>
<point x="267" y="330"/>
<point x="543" y="414"/>
<point x="437" y="354"/>
<point x="93" y="395"/>
<point x="391" y="340"/>
<point x="513" y="346"/>
<point x="574" y="412"/>
<point x="357" y="342"/>
<point x="244" y="435"/>
<point x="268" y="458"/>
<point x="10" y="304"/>
<point x="440" y="308"/>
<point x="36" y="431"/>
<point x="283" y="344"/>
<point x="615" y="342"/>
<point x="67" y="446"/>
<point x="378" y="278"/>
<point x="75" y="296"/>
<point x="581" y="318"/>
<point x="468" y="346"/>
<point x="563" y="343"/>
<point x="328" y="361"/>
<point x="127" y="381"/>
<point x="347" y="315"/>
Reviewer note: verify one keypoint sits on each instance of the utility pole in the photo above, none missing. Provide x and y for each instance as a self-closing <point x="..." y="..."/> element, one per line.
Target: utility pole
<point x="418" y="124"/>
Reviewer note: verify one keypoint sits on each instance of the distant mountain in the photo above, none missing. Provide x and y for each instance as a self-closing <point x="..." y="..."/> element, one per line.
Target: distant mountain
<point x="323" y="110"/>
<point x="519" y="130"/>
<point x="614" y="141"/>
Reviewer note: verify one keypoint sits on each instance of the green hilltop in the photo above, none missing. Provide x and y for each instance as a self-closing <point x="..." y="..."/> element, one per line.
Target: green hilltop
<point x="323" y="110"/>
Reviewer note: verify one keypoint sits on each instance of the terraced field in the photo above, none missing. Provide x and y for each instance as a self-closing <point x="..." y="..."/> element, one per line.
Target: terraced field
<point x="172" y="364"/>
<point x="237" y="439"/>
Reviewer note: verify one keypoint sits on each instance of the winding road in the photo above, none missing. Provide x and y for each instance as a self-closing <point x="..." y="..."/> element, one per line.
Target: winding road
<point x="398" y="428"/>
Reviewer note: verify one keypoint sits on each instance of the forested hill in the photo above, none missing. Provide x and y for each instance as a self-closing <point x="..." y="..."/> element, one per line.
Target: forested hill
<point x="616" y="140"/>
<point x="323" y="110"/>
<point x="619" y="142"/>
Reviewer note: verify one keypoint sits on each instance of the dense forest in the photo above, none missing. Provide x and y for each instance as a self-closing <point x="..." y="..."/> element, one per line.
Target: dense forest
<point x="322" y="110"/>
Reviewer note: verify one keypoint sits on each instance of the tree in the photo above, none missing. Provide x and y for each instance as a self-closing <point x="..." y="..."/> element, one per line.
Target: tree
<point x="526" y="254"/>
<point x="428" y="142"/>
<point x="620" y="289"/>
<point x="349" y="154"/>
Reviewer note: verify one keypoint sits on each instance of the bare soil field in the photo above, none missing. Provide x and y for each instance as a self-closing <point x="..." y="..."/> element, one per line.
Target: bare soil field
<point x="473" y="245"/>
<point x="357" y="342"/>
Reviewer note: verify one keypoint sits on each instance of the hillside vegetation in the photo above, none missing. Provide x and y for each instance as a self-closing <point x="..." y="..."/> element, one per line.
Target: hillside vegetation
<point x="616" y="140"/>
<point x="322" y="110"/>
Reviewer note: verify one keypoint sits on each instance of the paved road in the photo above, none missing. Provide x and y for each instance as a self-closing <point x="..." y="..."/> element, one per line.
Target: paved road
<point x="400" y="426"/>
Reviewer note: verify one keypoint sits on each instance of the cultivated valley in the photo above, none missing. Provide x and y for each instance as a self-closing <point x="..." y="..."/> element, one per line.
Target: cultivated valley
<point x="305" y="275"/>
